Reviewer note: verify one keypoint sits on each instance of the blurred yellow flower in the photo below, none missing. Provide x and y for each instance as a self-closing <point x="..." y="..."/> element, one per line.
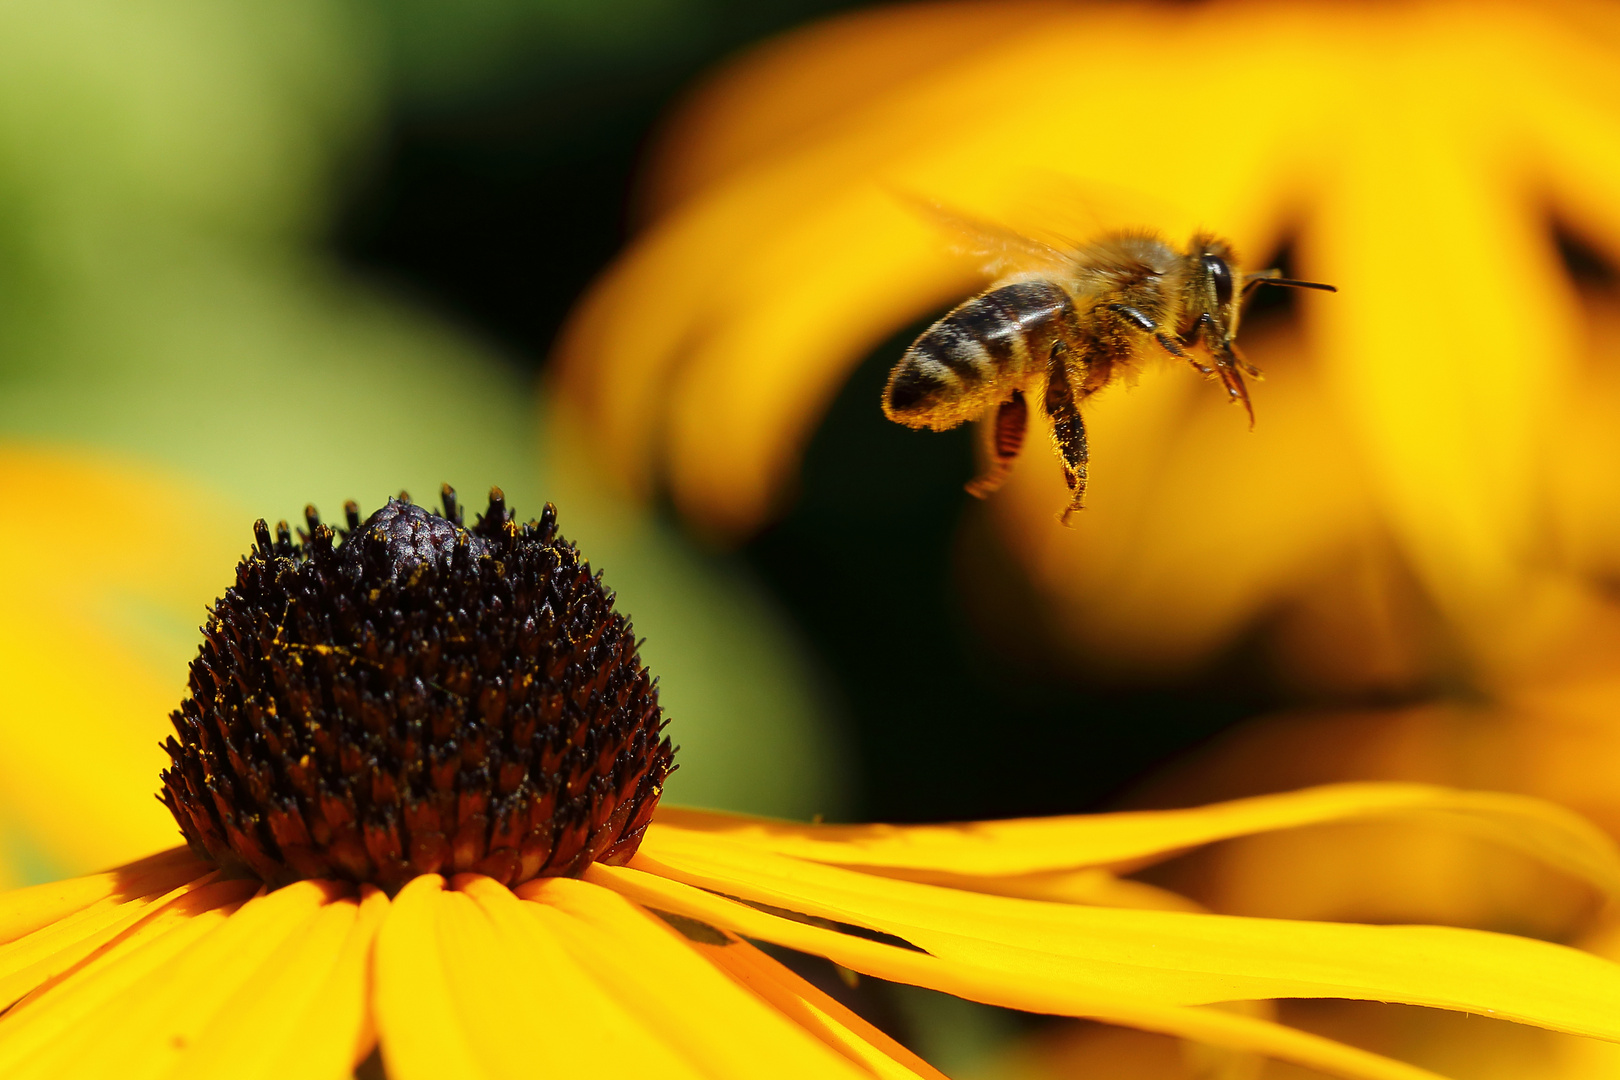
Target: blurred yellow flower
<point x="647" y="967"/>
<point x="1432" y="439"/>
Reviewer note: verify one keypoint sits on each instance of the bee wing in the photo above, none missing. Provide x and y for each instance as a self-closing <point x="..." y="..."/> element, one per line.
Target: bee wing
<point x="1000" y="250"/>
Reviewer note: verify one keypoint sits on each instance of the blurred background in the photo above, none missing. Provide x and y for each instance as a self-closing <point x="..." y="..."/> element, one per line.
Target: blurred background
<point x="644" y="258"/>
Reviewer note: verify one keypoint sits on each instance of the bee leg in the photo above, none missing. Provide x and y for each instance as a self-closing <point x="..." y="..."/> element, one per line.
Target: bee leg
<point x="1132" y="315"/>
<point x="1166" y="342"/>
<point x="1243" y="362"/>
<point x="1006" y="437"/>
<point x="1206" y="321"/>
<point x="1068" y="431"/>
<point x="1169" y="345"/>
<point x="1227" y="361"/>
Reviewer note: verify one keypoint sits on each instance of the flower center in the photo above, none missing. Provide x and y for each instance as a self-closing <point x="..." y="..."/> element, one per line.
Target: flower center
<point x="409" y="696"/>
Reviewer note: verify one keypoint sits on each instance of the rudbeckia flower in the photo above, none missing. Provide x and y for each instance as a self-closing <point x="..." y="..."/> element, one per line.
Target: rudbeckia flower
<point x="418" y="769"/>
<point x="1425" y="439"/>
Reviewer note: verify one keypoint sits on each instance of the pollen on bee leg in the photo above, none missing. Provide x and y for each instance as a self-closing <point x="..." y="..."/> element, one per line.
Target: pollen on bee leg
<point x="1076" y="479"/>
<point x="1004" y="438"/>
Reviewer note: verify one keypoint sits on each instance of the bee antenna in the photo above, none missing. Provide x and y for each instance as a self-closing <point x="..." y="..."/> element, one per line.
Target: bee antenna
<point x="1261" y="279"/>
<point x="1295" y="284"/>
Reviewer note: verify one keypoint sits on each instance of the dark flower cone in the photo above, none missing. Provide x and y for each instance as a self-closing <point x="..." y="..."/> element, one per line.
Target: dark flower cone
<point x="409" y="696"/>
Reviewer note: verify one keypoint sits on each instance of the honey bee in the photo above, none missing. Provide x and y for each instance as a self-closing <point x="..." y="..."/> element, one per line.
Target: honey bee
<point x="1058" y="325"/>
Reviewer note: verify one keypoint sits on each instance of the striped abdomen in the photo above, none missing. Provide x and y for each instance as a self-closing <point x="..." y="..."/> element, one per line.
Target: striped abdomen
<point x="975" y="356"/>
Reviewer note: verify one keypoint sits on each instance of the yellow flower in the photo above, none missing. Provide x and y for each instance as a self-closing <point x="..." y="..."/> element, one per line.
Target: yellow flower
<point x="632" y="956"/>
<point x="1429" y="437"/>
<point x="648" y="967"/>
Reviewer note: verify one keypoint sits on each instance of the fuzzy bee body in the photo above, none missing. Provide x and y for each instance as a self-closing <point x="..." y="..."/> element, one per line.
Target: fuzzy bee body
<point x="1062" y="326"/>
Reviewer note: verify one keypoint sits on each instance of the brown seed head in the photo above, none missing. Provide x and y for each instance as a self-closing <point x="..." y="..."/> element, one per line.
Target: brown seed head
<point x="409" y="696"/>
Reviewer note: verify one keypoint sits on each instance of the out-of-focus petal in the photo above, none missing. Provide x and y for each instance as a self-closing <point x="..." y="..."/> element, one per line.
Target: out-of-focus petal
<point x="1569" y="107"/>
<point x="755" y="295"/>
<point x="1584" y="488"/>
<point x="1023" y="846"/>
<point x="1191" y="513"/>
<point x="780" y="93"/>
<point x="1411" y="152"/>
<point x="1556" y="740"/>
<point x="1452" y="424"/>
<point x="1455" y="1045"/>
<point x="104" y="587"/>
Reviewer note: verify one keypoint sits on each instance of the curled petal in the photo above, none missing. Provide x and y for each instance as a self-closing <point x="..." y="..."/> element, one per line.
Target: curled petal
<point x="1032" y="845"/>
<point x="1172" y="956"/>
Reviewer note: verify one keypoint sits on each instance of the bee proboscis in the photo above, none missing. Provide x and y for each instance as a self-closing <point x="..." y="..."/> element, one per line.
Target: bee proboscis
<point x="1059" y="324"/>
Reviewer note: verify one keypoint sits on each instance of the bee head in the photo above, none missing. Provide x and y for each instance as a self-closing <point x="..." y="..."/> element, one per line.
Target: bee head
<point x="1213" y="281"/>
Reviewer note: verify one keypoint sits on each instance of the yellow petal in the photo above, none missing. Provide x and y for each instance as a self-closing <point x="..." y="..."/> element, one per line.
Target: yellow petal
<point x="1554" y="740"/>
<point x="1064" y="993"/>
<point x="654" y="972"/>
<point x="1579" y="132"/>
<point x="1585" y="492"/>
<point x="1451" y="430"/>
<point x="418" y="1022"/>
<point x="51" y="950"/>
<point x="767" y="101"/>
<point x="22" y="911"/>
<point x="588" y="1033"/>
<point x="1180" y="957"/>
<point x="1085" y="886"/>
<point x="305" y="1011"/>
<point x="95" y="630"/>
<point x="470" y="984"/>
<point x="245" y="980"/>
<point x="1032" y="845"/>
<point x="42" y="1034"/>
<point x="816" y="1012"/>
<point x="742" y="357"/>
<point x="1428" y="131"/>
<point x="1275" y="508"/>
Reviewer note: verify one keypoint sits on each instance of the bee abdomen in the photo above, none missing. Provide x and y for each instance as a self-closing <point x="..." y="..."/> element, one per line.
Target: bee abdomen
<point x="952" y="371"/>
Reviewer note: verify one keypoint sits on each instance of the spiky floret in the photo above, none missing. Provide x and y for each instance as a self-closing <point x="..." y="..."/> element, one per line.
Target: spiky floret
<point x="409" y="696"/>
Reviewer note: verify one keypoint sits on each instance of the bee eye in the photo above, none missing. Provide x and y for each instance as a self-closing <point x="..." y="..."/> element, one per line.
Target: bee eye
<point x="1221" y="274"/>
